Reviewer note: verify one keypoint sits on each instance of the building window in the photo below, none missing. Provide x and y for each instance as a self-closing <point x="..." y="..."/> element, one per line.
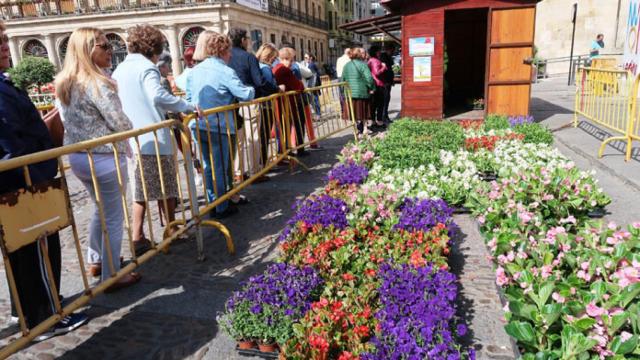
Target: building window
<point x="62" y="48"/>
<point x="190" y="37"/>
<point x="330" y="20"/>
<point x="273" y="39"/>
<point x="306" y="7"/>
<point x="119" y="49"/>
<point x="321" y="51"/>
<point x="301" y="46"/>
<point x="309" y="45"/>
<point x="293" y="41"/>
<point x="315" y="48"/>
<point x="34" y="47"/>
<point x="256" y="39"/>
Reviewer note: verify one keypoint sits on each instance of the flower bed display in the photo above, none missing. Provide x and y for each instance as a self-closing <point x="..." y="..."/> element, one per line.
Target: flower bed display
<point x="373" y="246"/>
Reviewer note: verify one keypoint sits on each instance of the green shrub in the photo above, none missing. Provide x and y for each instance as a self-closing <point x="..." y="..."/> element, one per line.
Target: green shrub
<point x="32" y="70"/>
<point x="496" y="122"/>
<point x="534" y="133"/>
<point x="411" y="143"/>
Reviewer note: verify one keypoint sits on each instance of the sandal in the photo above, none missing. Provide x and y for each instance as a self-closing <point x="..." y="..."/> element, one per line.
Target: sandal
<point x="124" y="282"/>
<point x="141" y="246"/>
<point x="95" y="269"/>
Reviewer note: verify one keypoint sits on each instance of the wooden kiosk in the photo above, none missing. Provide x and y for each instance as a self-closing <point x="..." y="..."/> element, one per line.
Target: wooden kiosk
<point x="489" y="46"/>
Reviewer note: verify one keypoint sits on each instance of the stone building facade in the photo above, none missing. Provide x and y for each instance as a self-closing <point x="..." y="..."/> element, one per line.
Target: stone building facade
<point x="340" y="12"/>
<point x="42" y="27"/>
<point x="554" y="28"/>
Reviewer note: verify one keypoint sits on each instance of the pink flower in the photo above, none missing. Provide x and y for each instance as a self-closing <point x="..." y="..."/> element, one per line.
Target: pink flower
<point x="547" y="197"/>
<point x="636" y="225"/>
<point x="501" y="277"/>
<point x="569" y="220"/>
<point x="612" y="225"/>
<point x="545" y="271"/>
<point x="558" y="298"/>
<point x="584" y="265"/>
<point x="593" y="310"/>
<point x="627" y="276"/>
<point x="583" y="275"/>
<point x="624" y="336"/>
<point x="481" y="219"/>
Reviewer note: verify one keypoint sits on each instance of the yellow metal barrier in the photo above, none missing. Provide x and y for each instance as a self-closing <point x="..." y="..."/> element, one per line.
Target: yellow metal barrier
<point x="277" y="122"/>
<point x="608" y="98"/>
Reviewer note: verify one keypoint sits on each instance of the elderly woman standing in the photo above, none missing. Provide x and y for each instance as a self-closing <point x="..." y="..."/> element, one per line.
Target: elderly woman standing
<point x="285" y="76"/>
<point x="357" y="74"/>
<point x="146" y="101"/>
<point x="210" y="84"/>
<point x="91" y="108"/>
<point x="267" y="54"/>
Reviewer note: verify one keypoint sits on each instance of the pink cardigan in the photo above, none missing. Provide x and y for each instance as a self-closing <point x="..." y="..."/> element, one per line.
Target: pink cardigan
<point x="377" y="68"/>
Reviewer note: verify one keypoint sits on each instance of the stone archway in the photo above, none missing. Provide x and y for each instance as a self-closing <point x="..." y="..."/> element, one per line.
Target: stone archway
<point x="34" y="47"/>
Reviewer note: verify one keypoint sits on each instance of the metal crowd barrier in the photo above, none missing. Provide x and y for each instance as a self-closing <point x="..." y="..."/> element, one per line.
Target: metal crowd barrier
<point x="609" y="98"/>
<point x="278" y="121"/>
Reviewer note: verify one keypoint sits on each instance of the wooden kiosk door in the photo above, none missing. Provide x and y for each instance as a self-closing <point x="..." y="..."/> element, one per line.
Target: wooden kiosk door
<point x="509" y="76"/>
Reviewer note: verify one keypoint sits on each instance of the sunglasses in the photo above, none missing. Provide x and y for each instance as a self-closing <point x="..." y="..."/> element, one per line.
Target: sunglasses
<point x="105" y="47"/>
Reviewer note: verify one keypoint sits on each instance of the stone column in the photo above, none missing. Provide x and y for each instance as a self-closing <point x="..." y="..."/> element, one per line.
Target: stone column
<point x="51" y="50"/>
<point x="174" y="49"/>
<point x="15" y="51"/>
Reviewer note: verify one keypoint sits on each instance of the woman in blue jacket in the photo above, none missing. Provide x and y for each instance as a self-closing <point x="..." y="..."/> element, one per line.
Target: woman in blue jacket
<point x="210" y="84"/>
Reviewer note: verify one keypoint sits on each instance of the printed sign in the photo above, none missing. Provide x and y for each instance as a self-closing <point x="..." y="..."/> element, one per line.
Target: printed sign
<point x="631" y="57"/>
<point x="421" y="46"/>
<point x="260" y="5"/>
<point x="422" y="69"/>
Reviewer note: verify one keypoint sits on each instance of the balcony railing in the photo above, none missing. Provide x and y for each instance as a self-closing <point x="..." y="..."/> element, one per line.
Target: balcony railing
<point x="25" y="9"/>
<point x="279" y="9"/>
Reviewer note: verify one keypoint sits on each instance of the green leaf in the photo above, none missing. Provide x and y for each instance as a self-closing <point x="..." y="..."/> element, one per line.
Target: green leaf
<point x="584" y="323"/>
<point x="629" y="294"/>
<point x="522" y="331"/>
<point x="551" y="313"/>
<point x="520" y="309"/>
<point x="626" y="347"/>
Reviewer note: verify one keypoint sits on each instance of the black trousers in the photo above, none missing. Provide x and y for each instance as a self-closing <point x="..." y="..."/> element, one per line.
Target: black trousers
<point x="30" y="273"/>
<point x="387" y="100"/>
<point x="377" y="105"/>
<point x="298" y="116"/>
<point x="266" y="121"/>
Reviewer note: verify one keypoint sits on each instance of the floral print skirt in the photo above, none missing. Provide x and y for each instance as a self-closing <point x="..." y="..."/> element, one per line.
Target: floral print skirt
<point x="152" y="178"/>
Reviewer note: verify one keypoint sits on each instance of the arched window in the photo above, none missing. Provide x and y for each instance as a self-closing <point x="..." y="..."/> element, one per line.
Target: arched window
<point x="119" y="49"/>
<point x="306" y="7"/>
<point x="190" y="37"/>
<point x="34" y="47"/>
<point x="62" y="49"/>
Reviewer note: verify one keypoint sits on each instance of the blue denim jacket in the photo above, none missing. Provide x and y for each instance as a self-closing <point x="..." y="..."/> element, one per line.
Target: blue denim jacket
<point x="212" y="83"/>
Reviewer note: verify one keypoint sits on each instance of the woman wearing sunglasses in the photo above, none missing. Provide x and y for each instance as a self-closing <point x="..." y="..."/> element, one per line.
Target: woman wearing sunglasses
<point x="91" y="109"/>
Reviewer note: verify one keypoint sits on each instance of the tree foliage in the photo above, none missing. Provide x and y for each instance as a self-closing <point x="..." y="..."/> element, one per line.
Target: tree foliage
<point x="32" y="70"/>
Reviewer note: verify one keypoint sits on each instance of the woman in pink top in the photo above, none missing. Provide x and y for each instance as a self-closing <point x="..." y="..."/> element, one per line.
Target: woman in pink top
<point x="378" y="69"/>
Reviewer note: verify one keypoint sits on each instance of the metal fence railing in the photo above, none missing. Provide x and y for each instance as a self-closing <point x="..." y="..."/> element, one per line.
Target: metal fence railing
<point x="609" y="98"/>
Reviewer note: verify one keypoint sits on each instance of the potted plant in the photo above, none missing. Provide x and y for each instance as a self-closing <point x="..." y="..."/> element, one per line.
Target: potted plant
<point x="238" y="322"/>
<point x="478" y="104"/>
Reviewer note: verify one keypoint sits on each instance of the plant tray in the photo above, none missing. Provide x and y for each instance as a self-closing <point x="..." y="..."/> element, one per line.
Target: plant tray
<point x="597" y="213"/>
<point x="258" y="353"/>
<point x="488" y="176"/>
<point x="461" y="210"/>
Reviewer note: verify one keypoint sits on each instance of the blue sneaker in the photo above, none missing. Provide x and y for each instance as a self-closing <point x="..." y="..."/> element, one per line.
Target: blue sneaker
<point x="67" y="324"/>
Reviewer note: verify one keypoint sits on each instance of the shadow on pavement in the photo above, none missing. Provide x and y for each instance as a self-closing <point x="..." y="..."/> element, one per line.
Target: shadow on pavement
<point x="603" y="134"/>
<point x="542" y="109"/>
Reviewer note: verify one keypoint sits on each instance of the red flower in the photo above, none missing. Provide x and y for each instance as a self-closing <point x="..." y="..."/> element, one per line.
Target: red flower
<point x="348" y="277"/>
<point x="370" y="272"/>
<point x="345" y="355"/>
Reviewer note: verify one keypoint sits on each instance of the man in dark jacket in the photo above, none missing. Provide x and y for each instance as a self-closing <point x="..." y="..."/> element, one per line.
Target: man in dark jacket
<point x="247" y="67"/>
<point x="23" y="132"/>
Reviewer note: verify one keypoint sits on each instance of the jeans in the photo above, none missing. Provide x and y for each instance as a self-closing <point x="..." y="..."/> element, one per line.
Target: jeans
<point x="218" y="149"/>
<point x="315" y="102"/>
<point x="111" y="201"/>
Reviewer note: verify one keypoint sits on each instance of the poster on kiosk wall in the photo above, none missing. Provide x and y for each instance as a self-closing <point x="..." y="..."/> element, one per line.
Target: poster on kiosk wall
<point x="631" y="56"/>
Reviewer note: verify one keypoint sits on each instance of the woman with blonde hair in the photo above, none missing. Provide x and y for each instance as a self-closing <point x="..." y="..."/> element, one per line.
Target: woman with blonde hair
<point x="91" y="109"/>
<point x="358" y="75"/>
<point x="267" y="55"/>
<point x="210" y="84"/>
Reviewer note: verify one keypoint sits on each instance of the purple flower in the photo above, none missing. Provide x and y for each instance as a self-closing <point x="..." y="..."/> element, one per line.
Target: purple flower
<point x="417" y="314"/>
<point x="281" y="287"/>
<point x="423" y="215"/>
<point x="321" y="210"/>
<point x="519" y="120"/>
<point x="345" y="174"/>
